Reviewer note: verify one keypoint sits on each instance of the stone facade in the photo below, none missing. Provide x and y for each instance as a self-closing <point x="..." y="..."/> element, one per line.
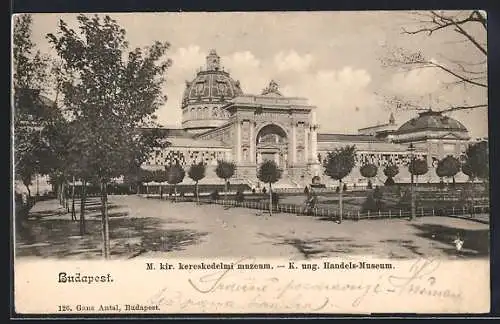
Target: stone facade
<point x="224" y="123"/>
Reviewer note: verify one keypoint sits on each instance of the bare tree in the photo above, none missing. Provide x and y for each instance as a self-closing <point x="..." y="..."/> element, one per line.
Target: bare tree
<point x="470" y="26"/>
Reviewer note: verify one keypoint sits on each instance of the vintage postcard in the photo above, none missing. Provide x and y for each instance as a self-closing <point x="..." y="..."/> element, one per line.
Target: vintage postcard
<point x="250" y="162"/>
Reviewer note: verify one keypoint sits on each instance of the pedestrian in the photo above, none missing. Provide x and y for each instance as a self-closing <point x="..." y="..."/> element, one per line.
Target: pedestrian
<point x="458" y="243"/>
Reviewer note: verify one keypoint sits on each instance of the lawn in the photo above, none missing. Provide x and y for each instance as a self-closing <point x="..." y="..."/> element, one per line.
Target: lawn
<point x="159" y="228"/>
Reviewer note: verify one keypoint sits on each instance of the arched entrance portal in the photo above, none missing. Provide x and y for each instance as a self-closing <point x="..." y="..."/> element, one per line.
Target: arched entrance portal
<point x="272" y="144"/>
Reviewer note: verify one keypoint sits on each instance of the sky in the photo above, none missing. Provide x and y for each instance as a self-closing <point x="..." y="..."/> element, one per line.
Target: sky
<point x="331" y="58"/>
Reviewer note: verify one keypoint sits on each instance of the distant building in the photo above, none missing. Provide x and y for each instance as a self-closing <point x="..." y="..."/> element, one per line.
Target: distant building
<point x="220" y="121"/>
<point x="382" y="131"/>
<point x="33" y="110"/>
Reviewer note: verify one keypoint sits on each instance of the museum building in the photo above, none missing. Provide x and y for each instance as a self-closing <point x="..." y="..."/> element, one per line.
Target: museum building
<point x="220" y="121"/>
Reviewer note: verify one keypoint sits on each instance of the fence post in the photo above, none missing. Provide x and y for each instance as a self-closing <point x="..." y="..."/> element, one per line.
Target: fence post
<point x="422" y="211"/>
<point x="400" y="213"/>
<point x="389" y="213"/>
<point x="453" y="210"/>
<point x="379" y="214"/>
<point x="432" y="211"/>
<point x="357" y="216"/>
<point x="463" y="210"/>
<point x="348" y="215"/>
<point x="368" y="214"/>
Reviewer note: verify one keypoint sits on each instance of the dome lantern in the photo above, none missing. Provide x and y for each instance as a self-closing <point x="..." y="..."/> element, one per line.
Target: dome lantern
<point x="213" y="61"/>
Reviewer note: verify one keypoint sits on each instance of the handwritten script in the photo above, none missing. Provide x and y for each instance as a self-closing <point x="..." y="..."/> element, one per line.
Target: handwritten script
<point x="243" y="291"/>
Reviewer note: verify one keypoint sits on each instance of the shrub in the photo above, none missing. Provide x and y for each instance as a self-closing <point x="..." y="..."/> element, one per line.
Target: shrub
<point x="215" y="195"/>
<point x="377" y="193"/>
<point x="389" y="182"/>
<point x="240" y="197"/>
<point x="275" y="198"/>
<point x="344" y="188"/>
<point x="369" y="204"/>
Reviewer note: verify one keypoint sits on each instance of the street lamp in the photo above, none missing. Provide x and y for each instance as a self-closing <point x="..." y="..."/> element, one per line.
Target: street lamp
<point x="411" y="148"/>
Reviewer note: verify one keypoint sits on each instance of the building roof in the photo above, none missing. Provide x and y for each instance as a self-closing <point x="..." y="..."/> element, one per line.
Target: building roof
<point x="178" y="137"/>
<point x="169" y="132"/>
<point x="378" y="147"/>
<point x="327" y="137"/>
<point x="195" y="143"/>
<point x="431" y="120"/>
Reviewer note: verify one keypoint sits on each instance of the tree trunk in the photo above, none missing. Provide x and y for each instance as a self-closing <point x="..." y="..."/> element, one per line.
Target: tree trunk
<point x="59" y="193"/>
<point x="29" y="191"/>
<point x="197" y="193"/>
<point x="175" y="192"/>
<point x="147" y="190"/>
<point x="225" y="189"/>
<point x="471" y="198"/>
<point x="270" y="200"/>
<point x="73" y="213"/>
<point x="65" y="193"/>
<point x="138" y="189"/>
<point x="82" y="207"/>
<point x="105" y="220"/>
<point x="161" y="192"/>
<point x="340" y="201"/>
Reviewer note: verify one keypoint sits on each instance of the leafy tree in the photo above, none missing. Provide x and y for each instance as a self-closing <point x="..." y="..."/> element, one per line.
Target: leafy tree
<point x="133" y="177"/>
<point x="67" y="160"/>
<point x="440" y="171"/>
<point x="30" y="66"/>
<point x="175" y="175"/>
<point x="197" y="172"/>
<point x="112" y="93"/>
<point x="448" y="167"/>
<point x="467" y="170"/>
<point x="477" y="161"/>
<point x="418" y="167"/>
<point x="390" y="171"/>
<point x="29" y="78"/>
<point x="225" y="170"/>
<point x="470" y="26"/>
<point x="160" y="176"/>
<point x="369" y="171"/>
<point x="338" y="164"/>
<point x="269" y="172"/>
<point x="145" y="177"/>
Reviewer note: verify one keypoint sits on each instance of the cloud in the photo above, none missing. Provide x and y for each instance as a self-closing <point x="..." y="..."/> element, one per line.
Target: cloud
<point x="247" y="68"/>
<point x="185" y="62"/>
<point x="419" y="82"/>
<point x="343" y="97"/>
<point x="292" y="61"/>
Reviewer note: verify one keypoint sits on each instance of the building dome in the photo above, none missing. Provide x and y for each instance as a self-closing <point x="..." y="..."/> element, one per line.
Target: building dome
<point x="204" y="96"/>
<point x="431" y="120"/>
